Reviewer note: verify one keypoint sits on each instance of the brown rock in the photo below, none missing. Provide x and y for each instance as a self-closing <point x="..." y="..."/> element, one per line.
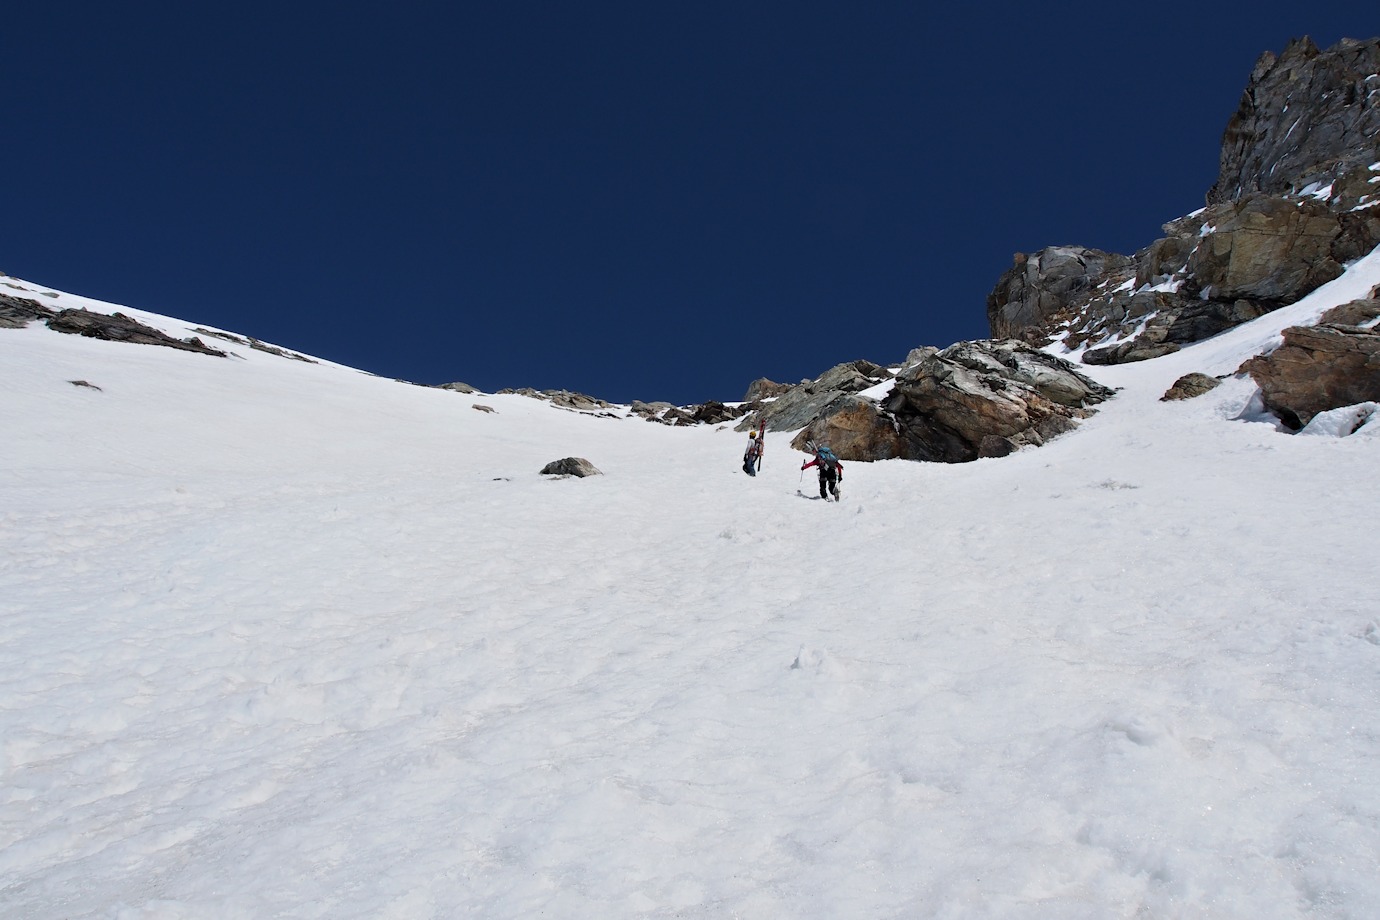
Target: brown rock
<point x="1316" y="369"/>
<point x="1190" y="385"/>
<point x="855" y="429"/>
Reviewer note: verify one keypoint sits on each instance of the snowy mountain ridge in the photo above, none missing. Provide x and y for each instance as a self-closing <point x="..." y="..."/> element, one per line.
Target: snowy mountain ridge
<point x="282" y="638"/>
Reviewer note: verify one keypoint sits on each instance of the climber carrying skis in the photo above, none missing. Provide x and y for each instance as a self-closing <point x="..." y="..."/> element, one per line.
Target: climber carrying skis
<point x="752" y="458"/>
<point x="830" y="470"/>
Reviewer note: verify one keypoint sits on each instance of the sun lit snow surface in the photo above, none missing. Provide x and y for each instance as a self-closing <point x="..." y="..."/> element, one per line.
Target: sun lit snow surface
<point x="280" y="639"/>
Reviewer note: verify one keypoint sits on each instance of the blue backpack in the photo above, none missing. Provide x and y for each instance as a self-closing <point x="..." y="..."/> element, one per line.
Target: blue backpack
<point x="827" y="458"/>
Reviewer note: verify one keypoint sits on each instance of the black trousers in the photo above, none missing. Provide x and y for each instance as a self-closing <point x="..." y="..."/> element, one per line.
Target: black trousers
<point x="828" y="482"/>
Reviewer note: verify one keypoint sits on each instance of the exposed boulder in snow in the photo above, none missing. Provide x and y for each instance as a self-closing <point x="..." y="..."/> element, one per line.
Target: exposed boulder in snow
<point x="116" y="327"/>
<point x="457" y="387"/>
<point x="1305" y="117"/>
<point x="1316" y="369"/>
<point x="570" y="466"/>
<point x="1190" y="386"/>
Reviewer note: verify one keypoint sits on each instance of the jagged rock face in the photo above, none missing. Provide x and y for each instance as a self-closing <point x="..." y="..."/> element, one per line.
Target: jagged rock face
<point x="1318" y="368"/>
<point x="1228" y="265"/>
<point x="1293" y="204"/>
<point x="1048" y="287"/>
<point x="1306" y="116"/>
<point x="1276" y="250"/>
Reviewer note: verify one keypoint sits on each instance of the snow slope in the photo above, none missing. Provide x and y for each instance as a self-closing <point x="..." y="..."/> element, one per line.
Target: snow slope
<point x="288" y="640"/>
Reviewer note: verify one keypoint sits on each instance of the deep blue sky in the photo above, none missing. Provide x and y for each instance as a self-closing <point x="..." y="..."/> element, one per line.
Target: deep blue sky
<point x="630" y="199"/>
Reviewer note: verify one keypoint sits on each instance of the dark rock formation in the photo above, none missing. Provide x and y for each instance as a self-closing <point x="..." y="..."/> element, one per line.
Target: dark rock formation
<point x="1294" y="202"/>
<point x="1318" y="368"/>
<point x="116" y="327"/>
<point x="570" y="466"/>
<point x="255" y="344"/>
<point x="1047" y="288"/>
<point x="1307" y="116"/>
<point x="18" y="312"/>
<point x="1275" y="250"/>
<point x="457" y="387"/>
<point x="713" y="413"/>
<point x="1190" y="386"/>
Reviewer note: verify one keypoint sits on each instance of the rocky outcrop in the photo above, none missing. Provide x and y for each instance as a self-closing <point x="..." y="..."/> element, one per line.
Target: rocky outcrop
<point x="986" y="399"/>
<point x="802" y="404"/>
<point x="1307" y="116"/>
<point x="571" y="466"/>
<point x="1319" y="368"/>
<point x="971" y="400"/>
<point x="652" y="411"/>
<point x="1273" y="251"/>
<point x="762" y="388"/>
<point x="1047" y="289"/>
<point x="1190" y="386"/>
<point x="1362" y="312"/>
<point x="855" y="428"/>
<point x="116" y="327"/>
<point x="1296" y="199"/>
<point x="18" y="312"/>
<point x="254" y="344"/>
<point x="565" y="399"/>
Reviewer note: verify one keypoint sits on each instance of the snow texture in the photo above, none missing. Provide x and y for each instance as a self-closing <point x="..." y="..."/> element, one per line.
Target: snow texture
<point x="288" y="640"/>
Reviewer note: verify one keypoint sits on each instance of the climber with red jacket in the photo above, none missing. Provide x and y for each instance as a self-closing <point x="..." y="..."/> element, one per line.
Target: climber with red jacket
<point x="830" y="471"/>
